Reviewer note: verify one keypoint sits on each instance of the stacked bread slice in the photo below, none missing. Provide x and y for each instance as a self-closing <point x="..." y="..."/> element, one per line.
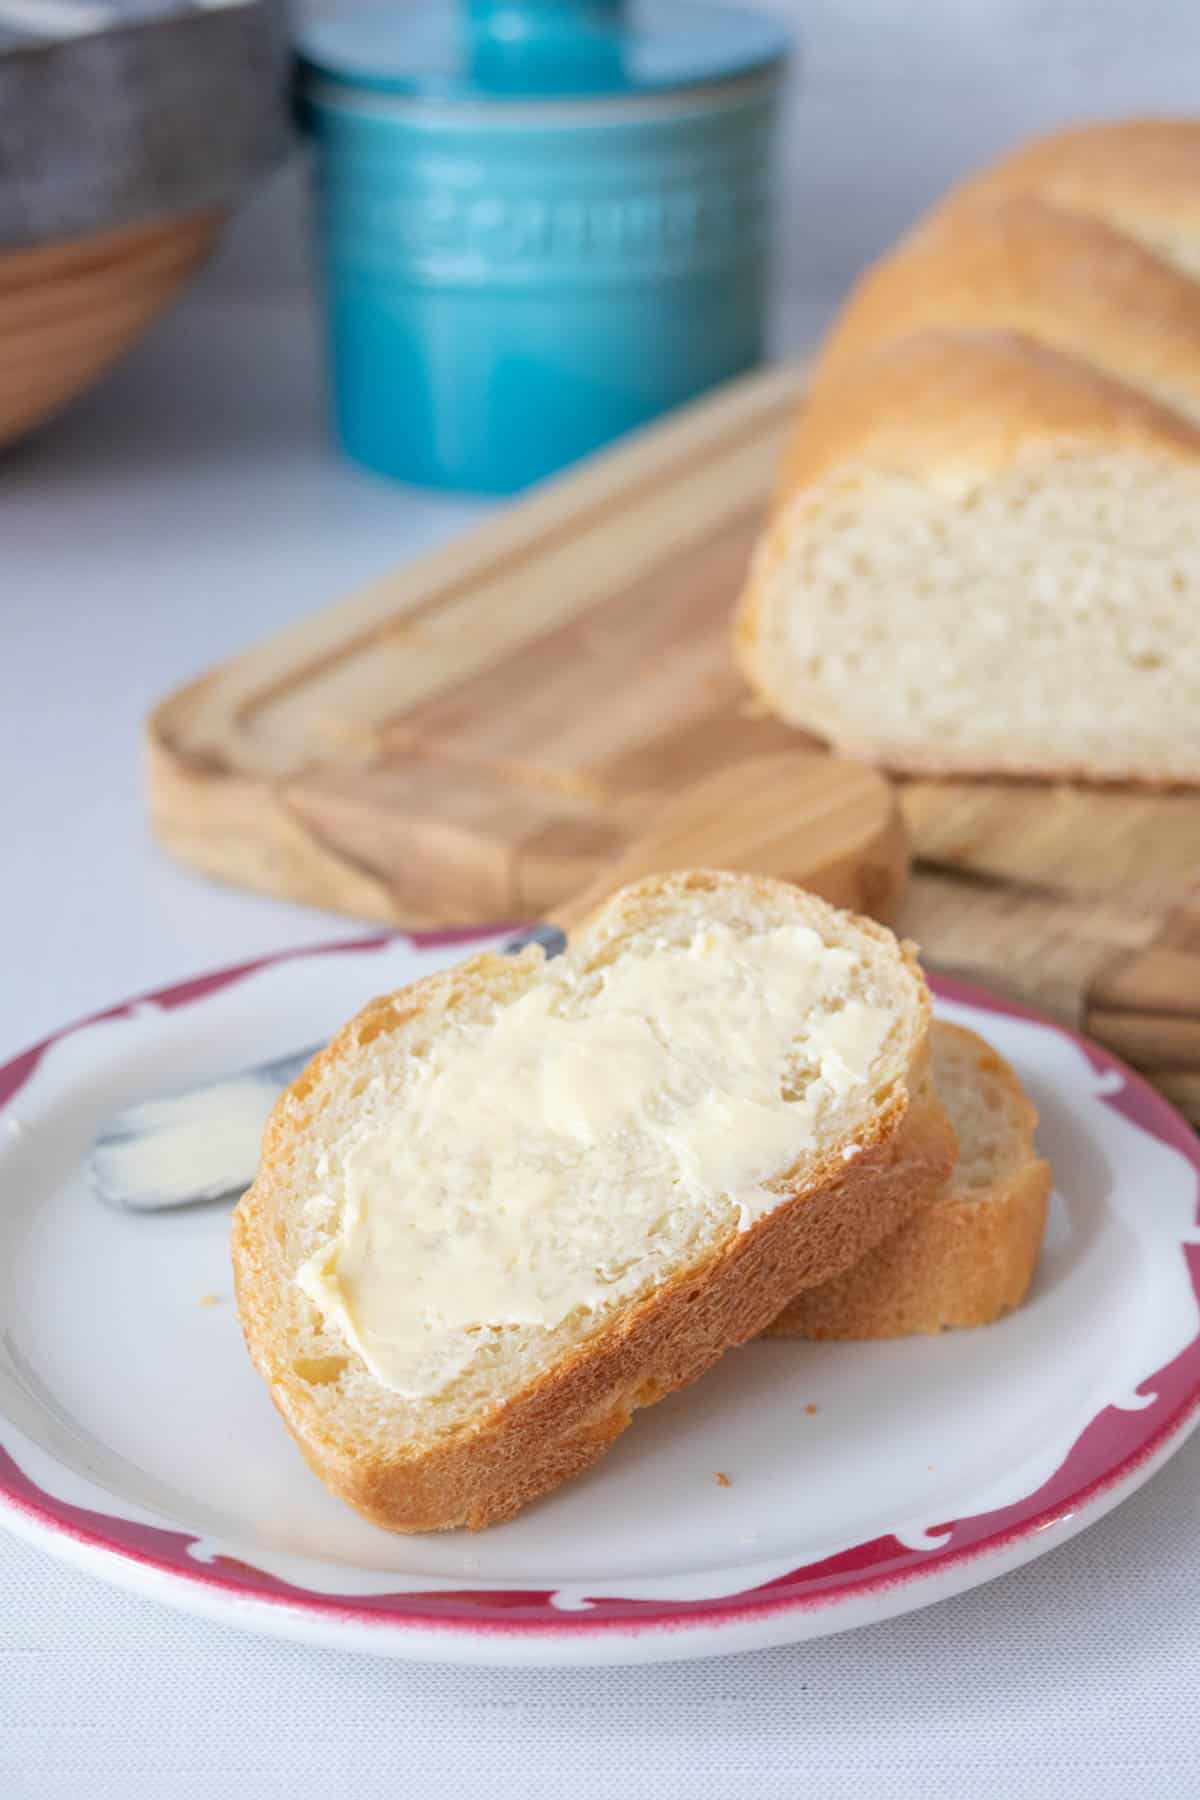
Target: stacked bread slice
<point x="515" y="1202"/>
<point x="984" y="555"/>
<point x="970" y="1255"/>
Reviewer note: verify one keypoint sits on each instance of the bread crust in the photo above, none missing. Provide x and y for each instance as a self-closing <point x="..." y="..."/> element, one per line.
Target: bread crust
<point x="1140" y="175"/>
<point x="1013" y="262"/>
<point x="489" y="1468"/>
<point x="929" y="762"/>
<point x="946" y="403"/>
<point x="963" y="1261"/>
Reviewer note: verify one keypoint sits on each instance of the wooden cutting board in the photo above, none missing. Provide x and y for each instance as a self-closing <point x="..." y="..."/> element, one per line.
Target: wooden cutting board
<point x="482" y="733"/>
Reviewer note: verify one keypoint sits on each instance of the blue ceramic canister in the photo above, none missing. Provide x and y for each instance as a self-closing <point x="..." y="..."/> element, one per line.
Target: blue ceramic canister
<point x="540" y="222"/>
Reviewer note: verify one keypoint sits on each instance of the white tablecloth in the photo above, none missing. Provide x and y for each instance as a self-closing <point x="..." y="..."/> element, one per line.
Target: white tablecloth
<point x="166" y="524"/>
<point x="1073" y="1679"/>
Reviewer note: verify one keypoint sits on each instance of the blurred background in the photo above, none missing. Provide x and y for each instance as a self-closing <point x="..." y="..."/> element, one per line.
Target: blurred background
<point x="885" y="107"/>
<point x="888" y="104"/>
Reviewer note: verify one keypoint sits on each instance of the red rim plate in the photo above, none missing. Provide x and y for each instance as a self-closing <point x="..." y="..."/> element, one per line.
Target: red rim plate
<point x="1107" y="1455"/>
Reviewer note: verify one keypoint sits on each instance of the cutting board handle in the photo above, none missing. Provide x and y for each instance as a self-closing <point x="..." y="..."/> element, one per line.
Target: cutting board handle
<point x="828" y="824"/>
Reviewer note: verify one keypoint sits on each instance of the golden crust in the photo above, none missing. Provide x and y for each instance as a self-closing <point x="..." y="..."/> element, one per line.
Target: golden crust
<point x="486" y="1470"/>
<point x="972" y="404"/>
<point x="1139" y="174"/>
<point x="962" y="1261"/>
<point x="1011" y="262"/>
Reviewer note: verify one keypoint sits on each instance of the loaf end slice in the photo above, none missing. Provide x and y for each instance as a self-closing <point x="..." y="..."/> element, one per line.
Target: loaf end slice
<point x="970" y="1256"/>
<point x="461" y="1410"/>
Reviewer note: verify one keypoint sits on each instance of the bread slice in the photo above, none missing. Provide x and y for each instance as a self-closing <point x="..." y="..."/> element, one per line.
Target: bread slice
<point x="984" y="558"/>
<point x="970" y="1256"/>
<point x="513" y="1202"/>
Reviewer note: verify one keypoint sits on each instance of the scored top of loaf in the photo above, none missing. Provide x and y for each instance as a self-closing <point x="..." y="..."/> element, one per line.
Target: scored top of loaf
<point x="1049" y="295"/>
<point x="1141" y="176"/>
<point x="945" y="401"/>
<point x="1015" y="263"/>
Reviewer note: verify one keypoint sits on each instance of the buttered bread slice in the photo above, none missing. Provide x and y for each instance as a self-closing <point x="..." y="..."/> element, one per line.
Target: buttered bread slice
<point x="518" y="1199"/>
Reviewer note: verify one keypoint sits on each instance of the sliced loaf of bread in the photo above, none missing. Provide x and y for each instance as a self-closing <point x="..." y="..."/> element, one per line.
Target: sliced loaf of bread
<point x="985" y="558"/>
<point x="969" y="1257"/>
<point x="517" y="1200"/>
<point x="985" y="551"/>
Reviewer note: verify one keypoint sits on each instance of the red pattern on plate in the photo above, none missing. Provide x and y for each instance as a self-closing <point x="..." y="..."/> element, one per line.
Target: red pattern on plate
<point x="1108" y="1451"/>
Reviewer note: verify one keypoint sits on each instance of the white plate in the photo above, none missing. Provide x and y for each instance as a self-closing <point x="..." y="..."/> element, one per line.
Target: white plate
<point x="864" y="1480"/>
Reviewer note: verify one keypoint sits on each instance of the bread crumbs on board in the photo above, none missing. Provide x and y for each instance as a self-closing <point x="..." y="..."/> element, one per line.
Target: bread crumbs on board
<point x="723" y="1479"/>
<point x="810" y="1409"/>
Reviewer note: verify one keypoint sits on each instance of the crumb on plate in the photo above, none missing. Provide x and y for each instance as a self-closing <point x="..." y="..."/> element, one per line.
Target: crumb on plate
<point x="723" y="1479"/>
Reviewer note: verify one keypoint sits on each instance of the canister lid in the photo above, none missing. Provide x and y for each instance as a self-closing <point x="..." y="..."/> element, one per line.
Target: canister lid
<point x="546" y="49"/>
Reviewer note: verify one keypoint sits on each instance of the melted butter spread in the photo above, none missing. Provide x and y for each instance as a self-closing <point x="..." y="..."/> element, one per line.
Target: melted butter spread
<point x="567" y="1153"/>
